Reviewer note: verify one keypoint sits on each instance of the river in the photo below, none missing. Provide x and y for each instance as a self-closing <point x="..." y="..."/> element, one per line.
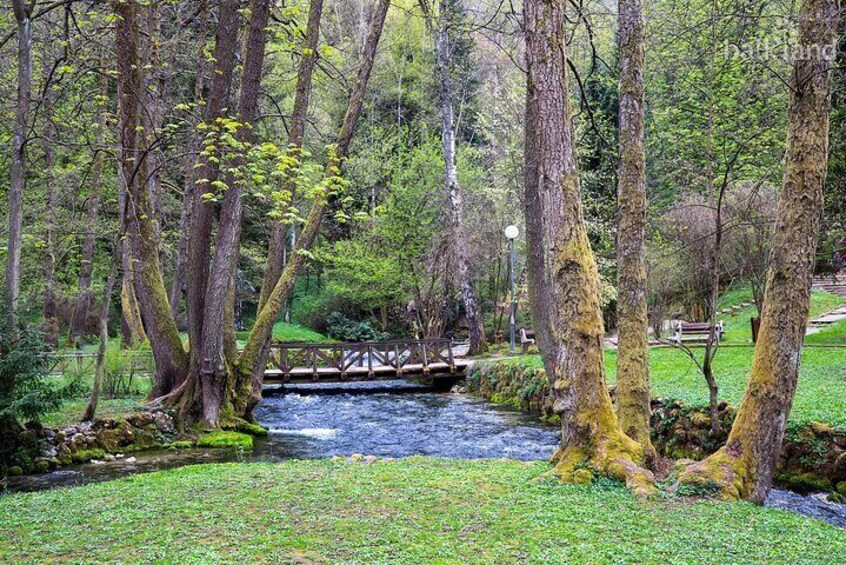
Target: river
<point x="388" y="419"/>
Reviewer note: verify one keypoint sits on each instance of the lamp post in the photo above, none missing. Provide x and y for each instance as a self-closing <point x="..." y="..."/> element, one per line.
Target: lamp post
<point x="511" y="233"/>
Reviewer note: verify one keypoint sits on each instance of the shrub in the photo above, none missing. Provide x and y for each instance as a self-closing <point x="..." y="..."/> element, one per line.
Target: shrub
<point x="24" y="390"/>
<point x="342" y="328"/>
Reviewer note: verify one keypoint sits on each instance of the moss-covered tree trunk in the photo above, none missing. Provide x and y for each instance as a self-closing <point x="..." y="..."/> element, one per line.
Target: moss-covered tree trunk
<point x="170" y="357"/>
<point x="202" y="214"/>
<point x="217" y="381"/>
<point x="590" y="432"/>
<point x="633" y="395"/>
<point x="744" y="467"/>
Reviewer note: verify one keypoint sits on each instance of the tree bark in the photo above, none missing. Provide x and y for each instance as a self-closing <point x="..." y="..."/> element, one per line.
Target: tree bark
<point x="633" y="394"/>
<point x="94" y="399"/>
<point x="744" y="468"/>
<point x="189" y="180"/>
<point x="590" y="431"/>
<point x="277" y="247"/>
<point x="92" y="210"/>
<point x="48" y="140"/>
<point x="475" y="323"/>
<point x="154" y="104"/>
<point x="213" y="369"/>
<point x="253" y="360"/>
<point x="23" y="16"/>
<point x="199" y="246"/>
<point x="169" y="354"/>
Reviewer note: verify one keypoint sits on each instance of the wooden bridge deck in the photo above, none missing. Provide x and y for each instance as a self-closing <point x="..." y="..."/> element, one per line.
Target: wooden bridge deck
<point x="420" y="359"/>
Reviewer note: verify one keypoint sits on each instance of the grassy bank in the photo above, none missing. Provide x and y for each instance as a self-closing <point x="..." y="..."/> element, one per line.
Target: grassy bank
<point x="820" y="396"/>
<point x="405" y="511"/>
<point x="739" y="330"/>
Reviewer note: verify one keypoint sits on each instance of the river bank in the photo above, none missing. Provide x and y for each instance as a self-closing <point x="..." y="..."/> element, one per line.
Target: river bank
<point x="414" y="510"/>
<point x="812" y="459"/>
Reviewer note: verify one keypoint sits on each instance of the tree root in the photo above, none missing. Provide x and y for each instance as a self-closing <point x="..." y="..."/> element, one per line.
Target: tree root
<point x="612" y="455"/>
<point x="166" y="399"/>
<point x="721" y="473"/>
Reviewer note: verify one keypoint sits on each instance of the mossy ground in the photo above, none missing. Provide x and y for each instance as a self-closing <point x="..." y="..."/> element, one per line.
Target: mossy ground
<point x="220" y="438"/>
<point x="404" y="511"/>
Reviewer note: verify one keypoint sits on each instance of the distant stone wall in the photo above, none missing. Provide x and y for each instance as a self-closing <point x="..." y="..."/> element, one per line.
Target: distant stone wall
<point x="813" y="457"/>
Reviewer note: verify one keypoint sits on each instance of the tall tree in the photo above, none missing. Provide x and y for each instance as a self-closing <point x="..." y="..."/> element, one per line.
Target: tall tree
<point x="23" y="17"/>
<point x="449" y="14"/>
<point x="199" y="246"/>
<point x="744" y="468"/>
<point x="92" y="210"/>
<point x="214" y="386"/>
<point x="189" y="176"/>
<point x="572" y="322"/>
<point x="633" y="396"/>
<point x="296" y="135"/>
<point x="254" y="359"/>
<point x="171" y="361"/>
<point x="214" y="364"/>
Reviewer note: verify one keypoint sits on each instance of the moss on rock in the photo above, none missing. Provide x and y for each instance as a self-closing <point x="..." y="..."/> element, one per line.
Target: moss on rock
<point x="86" y="455"/>
<point x="247" y="428"/>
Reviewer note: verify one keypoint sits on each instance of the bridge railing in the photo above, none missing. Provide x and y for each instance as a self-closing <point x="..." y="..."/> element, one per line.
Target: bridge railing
<point x="343" y="358"/>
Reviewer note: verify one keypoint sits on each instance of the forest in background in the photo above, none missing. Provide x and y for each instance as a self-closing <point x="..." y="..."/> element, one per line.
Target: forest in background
<point x="715" y="121"/>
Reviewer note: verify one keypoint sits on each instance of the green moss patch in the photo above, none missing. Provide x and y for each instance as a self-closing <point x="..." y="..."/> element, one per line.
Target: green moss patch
<point x="222" y="438"/>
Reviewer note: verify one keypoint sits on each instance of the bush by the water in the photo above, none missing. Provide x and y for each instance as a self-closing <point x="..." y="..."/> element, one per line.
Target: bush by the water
<point x="25" y="393"/>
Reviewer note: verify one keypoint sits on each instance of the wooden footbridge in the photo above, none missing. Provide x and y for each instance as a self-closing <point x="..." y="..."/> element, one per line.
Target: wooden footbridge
<point x="434" y="361"/>
<point x="430" y="360"/>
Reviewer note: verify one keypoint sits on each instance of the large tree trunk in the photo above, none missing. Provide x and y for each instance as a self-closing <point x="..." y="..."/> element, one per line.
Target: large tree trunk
<point x="154" y="104"/>
<point x="744" y="468"/>
<point x="590" y="431"/>
<point x="277" y="248"/>
<point x="214" y="368"/>
<point x="447" y="11"/>
<point x="189" y="176"/>
<point x="92" y="210"/>
<point x="253" y="360"/>
<point x="633" y="395"/>
<point x="202" y="216"/>
<point x="23" y="16"/>
<point x="170" y="357"/>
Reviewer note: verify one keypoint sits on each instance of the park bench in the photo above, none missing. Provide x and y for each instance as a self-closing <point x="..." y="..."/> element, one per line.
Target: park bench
<point x="527" y="339"/>
<point x="695" y="332"/>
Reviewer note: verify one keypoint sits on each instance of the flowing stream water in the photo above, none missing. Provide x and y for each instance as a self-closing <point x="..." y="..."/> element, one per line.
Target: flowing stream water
<point x="389" y="419"/>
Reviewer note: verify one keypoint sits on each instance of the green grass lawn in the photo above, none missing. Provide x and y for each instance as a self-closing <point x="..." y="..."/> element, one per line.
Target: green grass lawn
<point x="410" y="511"/>
<point x="289" y="333"/>
<point x="298" y="333"/>
<point x="820" y="396"/>
<point x="739" y="329"/>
